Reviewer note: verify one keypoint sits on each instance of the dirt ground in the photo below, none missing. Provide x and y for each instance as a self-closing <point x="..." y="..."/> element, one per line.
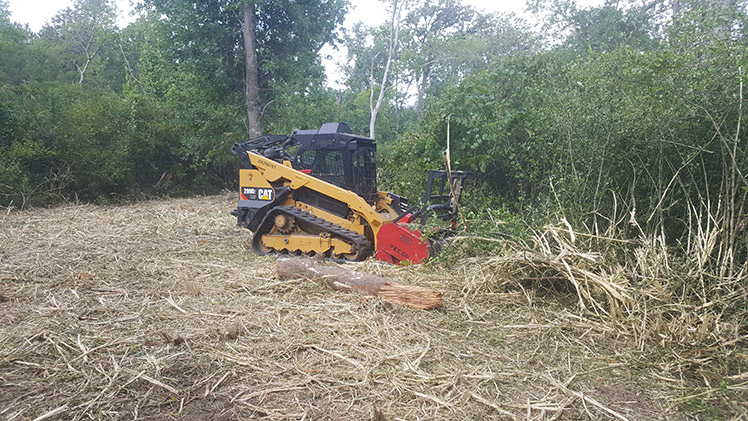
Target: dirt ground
<point x="159" y="310"/>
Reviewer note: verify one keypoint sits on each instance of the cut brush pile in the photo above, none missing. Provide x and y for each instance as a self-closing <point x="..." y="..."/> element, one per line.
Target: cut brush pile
<point x="159" y="310"/>
<point x="691" y="321"/>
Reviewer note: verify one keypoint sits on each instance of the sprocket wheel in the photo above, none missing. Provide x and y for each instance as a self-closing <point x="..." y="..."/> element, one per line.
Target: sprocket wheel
<point x="284" y="223"/>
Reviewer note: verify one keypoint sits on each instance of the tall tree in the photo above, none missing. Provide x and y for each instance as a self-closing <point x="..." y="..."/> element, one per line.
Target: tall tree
<point x="228" y="42"/>
<point x="397" y="7"/>
<point x="429" y="26"/>
<point x="440" y="42"/>
<point x="84" y="29"/>
<point x="251" y="81"/>
<point x="13" y="48"/>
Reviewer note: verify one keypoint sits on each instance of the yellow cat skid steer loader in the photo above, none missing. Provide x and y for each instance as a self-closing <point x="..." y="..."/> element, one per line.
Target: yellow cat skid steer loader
<point x="315" y="192"/>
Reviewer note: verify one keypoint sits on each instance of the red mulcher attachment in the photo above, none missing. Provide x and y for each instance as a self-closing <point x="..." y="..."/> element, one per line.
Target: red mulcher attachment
<point x="397" y="243"/>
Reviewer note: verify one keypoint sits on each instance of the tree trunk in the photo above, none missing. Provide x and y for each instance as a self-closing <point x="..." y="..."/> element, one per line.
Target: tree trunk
<point x="251" y="83"/>
<point x="394" y="32"/>
<point x="341" y="279"/>
<point x="677" y="9"/>
<point x="89" y="56"/>
<point x="425" y="74"/>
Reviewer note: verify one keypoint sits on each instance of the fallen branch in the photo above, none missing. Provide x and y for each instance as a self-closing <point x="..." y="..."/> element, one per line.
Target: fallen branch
<point x="341" y="279"/>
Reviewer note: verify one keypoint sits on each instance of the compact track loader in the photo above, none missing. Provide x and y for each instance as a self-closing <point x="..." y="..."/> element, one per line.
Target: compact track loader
<point x="315" y="192"/>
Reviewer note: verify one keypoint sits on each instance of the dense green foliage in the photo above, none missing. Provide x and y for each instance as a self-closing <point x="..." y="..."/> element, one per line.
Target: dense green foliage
<point x="632" y="126"/>
<point x="89" y="111"/>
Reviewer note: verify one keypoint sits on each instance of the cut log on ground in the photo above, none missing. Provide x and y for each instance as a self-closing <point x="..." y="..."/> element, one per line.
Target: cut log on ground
<point x="342" y="279"/>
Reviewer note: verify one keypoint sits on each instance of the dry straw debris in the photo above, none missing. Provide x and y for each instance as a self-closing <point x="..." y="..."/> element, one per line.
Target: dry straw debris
<point x="158" y="310"/>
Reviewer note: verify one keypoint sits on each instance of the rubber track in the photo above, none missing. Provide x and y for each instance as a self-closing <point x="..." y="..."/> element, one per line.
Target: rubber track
<point x="358" y="240"/>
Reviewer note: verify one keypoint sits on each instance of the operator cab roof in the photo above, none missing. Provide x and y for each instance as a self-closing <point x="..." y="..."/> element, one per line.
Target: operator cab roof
<point x="330" y="135"/>
<point x="327" y="128"/>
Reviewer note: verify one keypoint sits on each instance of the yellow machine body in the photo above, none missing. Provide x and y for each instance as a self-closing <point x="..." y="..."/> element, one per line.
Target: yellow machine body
<point x="268" y="177"/>
<point x="315" y="192"/>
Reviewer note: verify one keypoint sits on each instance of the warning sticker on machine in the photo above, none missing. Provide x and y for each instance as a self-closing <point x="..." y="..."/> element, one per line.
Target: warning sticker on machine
<point x="251" y="193"/>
